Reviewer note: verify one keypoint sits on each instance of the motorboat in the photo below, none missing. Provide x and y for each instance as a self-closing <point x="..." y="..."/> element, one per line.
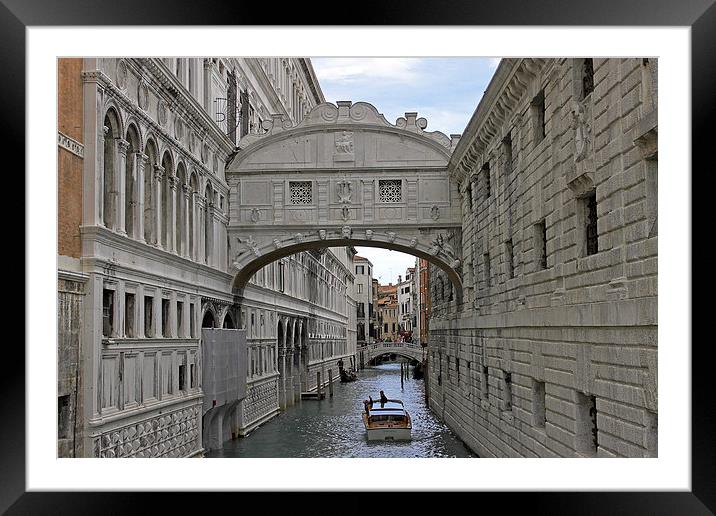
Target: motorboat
<point x="387" y="421"/>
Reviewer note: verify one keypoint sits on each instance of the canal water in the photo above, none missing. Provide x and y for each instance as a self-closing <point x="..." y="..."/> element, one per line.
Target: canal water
<point x="333" y="427"/>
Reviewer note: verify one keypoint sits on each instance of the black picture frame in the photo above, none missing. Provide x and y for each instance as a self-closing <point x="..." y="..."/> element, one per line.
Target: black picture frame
<point x="700" y="15"/>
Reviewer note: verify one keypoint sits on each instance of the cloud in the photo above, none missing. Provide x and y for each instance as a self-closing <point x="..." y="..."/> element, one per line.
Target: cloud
<point x="355" y="69"/>
<point x="492" y="63"/>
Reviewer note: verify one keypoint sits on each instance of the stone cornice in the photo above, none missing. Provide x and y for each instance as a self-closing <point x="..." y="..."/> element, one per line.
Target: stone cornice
<point x="185" y="100"/>
<point x="498" y="105"/>
<point x="124" y="243"/>
<point x="313" y="83"/>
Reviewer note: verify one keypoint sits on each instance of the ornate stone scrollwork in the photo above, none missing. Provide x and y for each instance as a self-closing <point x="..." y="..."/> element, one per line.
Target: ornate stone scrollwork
<point x="434" y="212"/>
<point x="344" y="191"/>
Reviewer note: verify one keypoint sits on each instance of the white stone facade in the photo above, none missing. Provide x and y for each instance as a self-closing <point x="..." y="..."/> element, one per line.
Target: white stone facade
<point x="553" y="351"/>
<point x="154" y="264"/>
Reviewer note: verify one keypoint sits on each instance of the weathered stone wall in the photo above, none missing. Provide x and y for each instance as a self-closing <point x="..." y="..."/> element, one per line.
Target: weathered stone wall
<point x="519" y="368"/>
<point x="69" y="400"/>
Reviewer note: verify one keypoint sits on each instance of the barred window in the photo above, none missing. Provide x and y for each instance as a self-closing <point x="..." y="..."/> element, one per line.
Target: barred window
<point x="301" y="192"/>
<point x="390" y="190"/>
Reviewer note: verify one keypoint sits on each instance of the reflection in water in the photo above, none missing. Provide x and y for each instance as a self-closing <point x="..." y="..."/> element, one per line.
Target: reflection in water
<point x="334" y="428"/>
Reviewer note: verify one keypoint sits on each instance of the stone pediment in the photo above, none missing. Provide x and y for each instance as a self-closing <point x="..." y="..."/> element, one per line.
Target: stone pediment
<point x="346" y="135"/>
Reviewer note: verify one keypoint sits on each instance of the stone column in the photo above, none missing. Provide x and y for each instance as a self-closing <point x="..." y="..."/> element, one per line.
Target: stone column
<point x="186" y="190"/>
<point x="120" y="184"/>
<point x="199" y="223"/>
<point x="195" y="233"/>
<point x="140" y="160"/>
<point x="158" y="174"/>
<point x="173" y="315"/>
<point x="209" y="247"/>
<point x="171" y="233"/>
<point x="99" y="179"/>
<point x="157" y="314"/>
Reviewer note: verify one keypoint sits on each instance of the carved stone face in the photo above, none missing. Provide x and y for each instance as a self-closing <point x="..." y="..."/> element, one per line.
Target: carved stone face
<point x="322" y="234"/>
<point x="346" y="231"/>
<point x="369" y="234"/>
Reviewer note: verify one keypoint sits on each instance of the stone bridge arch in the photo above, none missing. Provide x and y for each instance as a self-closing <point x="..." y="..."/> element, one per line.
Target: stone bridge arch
<point x="343" y="176"/>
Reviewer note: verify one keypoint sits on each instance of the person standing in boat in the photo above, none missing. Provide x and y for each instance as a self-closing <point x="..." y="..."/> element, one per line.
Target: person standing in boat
<point x="383" y="398"/>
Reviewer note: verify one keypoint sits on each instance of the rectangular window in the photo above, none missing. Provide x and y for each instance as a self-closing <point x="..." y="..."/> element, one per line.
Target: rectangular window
<point x="590" y="208"/>
<point x="128" y="315"/>
<point x="280" y="276"/>
<point x="587" y="77"/>
<point x="486" y="178"/>
<point x="301" y="192"/>
<point x="180" y="319"/>
<point x="509" y="259"/>
<point x="484" y="376"/>
<point x="182" y="377"/>
<point x="468" y="193"/>
<point x="64" y="425"/>
<point x="507" y="384"/>
<point x="540" y="244"/>
<point x="390" y="190"/>
<point x="148" y="316"/>
<point x="192" y="322"/>
<point x="652" y="197"/>
<point x="192" y="376"/>
<point x="486" y="259"/>
<point x="538" y="404"/>
<point x="587" y="437"/>
<point x="360" y="288"/>
<point x="165" y="318"/>
<point x="386" y="328"/>
<point x="407" y="290"/>
<point x="538" y="117"/>
<point x="108" y="313"/>
<point x="507" y="153"/>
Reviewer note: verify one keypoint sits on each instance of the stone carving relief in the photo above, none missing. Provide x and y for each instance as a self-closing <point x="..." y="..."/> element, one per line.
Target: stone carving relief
<point x="204" y="153"/>
<point x="369" y="234"/>
<point x="277" y="243"/>
<point x="346" y="231"/>
<point x="255" y="215"/>
<point x="250" y="244"/>
<point x="143" y="95"/>
<point x="178" y="128"/>
<point x="582" y="130"/>
<point x="322" y="234"/>
<point x="434" y="212"/>
<point x="344" y="142"/>
<point x="122" y="75"/>
<point x="298" y="237"/>
<point x="391" y="236"/>
<point x="345" y="213"/>
<point x="345" y="189"/>
<point x="413" y="241"/>
<point x="161" y="112"/>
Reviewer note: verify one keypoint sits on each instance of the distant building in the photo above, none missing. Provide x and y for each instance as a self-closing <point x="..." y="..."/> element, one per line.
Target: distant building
<point x="387" y="308"/>
<point x="422" y="311"/>
<point x="363" y="269"/>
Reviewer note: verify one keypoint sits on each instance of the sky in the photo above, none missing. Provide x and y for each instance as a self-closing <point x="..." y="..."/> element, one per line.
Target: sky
<point x="445" y="91"/>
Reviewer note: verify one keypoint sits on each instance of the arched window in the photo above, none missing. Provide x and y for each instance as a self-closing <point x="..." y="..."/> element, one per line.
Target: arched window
<point x="166" y="199"/>
<point x="208" y="321"/>
<point x="109" y="191"/>
<point x="180" y="210"/>
<point x="130" y="188"/>
<point x="150" y="233"/>
<point x="194" y="185"/>
<point x="208" y="225"/>
<point x="229" y="321"/>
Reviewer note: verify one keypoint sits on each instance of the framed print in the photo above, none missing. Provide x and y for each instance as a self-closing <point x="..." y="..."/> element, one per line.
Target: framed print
<point x="223" y="193"/>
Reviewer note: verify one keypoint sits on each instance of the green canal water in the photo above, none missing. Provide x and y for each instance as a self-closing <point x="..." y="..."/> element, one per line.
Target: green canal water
<point x="333" y="427"/>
